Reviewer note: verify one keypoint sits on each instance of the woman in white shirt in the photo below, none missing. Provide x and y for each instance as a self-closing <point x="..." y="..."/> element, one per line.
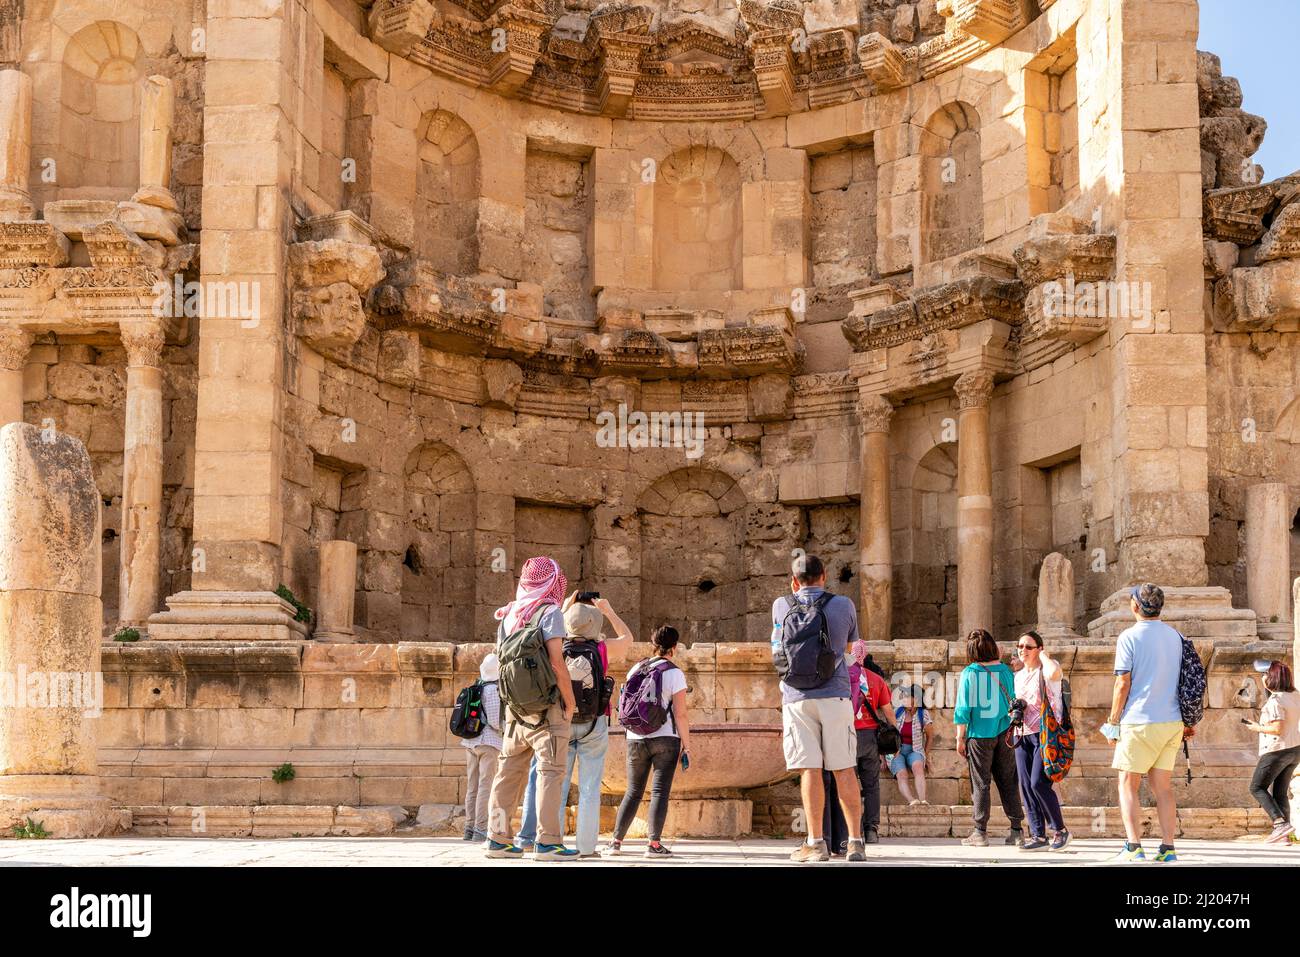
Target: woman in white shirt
<point x="1279" y="750"/>
<point x="1037" y="668"/>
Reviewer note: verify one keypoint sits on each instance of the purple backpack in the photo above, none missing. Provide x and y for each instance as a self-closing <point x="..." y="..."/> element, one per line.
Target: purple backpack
<point x="641" y="705"/>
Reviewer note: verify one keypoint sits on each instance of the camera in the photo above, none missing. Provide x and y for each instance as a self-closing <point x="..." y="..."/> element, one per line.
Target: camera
<point x="1017" y="712"/>
<point x="587" y="597"/>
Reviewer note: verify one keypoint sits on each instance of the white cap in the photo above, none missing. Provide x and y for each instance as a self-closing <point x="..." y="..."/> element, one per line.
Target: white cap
<point x="490" y="669"/>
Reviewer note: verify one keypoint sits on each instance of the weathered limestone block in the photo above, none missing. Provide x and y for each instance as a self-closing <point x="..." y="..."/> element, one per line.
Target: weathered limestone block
<point x="398" y="25"/>
<point x="770" y="397"/>
<point x="15" y="145"/>
<point x="329" y="278"/>
<point x="157" y="116"/>
<point x="50" y="615"/>
<point x="336" y="591"/>
<point x="990" y="20"/>
<point x="881" y="61"/>
<point x="1056" y="597"/>
<point x="1282" y="241"/>
<point x="1262" y="296"/>
<point x="399" y="357"/>
<point x="502" y="380"/>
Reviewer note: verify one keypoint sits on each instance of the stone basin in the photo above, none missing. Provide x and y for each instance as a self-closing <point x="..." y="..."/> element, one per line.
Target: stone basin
<point x="724" y="758"/>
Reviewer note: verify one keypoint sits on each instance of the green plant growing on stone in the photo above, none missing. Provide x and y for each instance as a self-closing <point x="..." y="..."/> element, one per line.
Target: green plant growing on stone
<point x="127" y="634"/>
<point x="31" y="830"/>
<point x="283" y="773"/>
<point x="300" y="611"/>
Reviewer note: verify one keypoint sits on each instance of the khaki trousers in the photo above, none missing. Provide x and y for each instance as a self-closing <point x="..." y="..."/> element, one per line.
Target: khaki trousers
<point x="480" y="767"/>
<point x="550" y="742"/>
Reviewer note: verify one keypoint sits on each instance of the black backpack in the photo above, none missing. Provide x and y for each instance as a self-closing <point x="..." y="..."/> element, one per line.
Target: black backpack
<point x="468" y="716"/>
<point x="803" y="657"/>
<point x="592" y="688"/>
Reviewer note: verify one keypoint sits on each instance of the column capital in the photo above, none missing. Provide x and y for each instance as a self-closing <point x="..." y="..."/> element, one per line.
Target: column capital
<point x="974" y="388"/>
<point x="143" y="341"/>
<point x="874" y="413"/>
<point x="15" y="343"/>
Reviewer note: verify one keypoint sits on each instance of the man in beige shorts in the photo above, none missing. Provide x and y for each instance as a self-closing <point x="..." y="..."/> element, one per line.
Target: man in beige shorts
<point x="817" y="708"/>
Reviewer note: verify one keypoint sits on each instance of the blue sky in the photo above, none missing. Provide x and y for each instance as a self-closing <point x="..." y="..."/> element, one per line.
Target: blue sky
<point x="1256" y="40"/>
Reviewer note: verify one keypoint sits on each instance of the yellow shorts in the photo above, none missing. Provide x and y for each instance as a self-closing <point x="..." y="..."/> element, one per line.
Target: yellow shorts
<point x="1143" y="747"/>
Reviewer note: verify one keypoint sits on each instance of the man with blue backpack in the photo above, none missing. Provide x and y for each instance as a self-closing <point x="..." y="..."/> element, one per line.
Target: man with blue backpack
<point x="811" y="630"/>
<point x="1158" y="700"/>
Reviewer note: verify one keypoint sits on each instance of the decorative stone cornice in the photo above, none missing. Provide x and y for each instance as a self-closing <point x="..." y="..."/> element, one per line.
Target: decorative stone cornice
<point x="516" y="43"/>
<point x="974" y="389"/>
<point x="1282" y="241"/>
<point x="874" y="414"/>
<point x="881" y="61"/>
<point x="143" y="342"/>
<point x="398" y="25"/>
<point x="15" y="344"/>
<point x="1236" y="214"/>
<point x="990" y="20"/>
<point x="32" y="244"/>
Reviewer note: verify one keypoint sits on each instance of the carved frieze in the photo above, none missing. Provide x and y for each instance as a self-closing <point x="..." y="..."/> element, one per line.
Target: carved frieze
<point x="32" y="244"/>
<point x="398" y="25"/>
<point x="1236" y="214"/>
<point x="1282" y="241"/>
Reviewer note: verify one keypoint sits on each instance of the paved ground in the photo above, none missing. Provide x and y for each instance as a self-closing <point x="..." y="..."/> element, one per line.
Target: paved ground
<point x="421" y="852"/>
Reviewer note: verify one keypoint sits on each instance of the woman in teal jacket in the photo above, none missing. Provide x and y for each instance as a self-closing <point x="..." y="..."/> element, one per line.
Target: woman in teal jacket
<point x="982" y="716"/>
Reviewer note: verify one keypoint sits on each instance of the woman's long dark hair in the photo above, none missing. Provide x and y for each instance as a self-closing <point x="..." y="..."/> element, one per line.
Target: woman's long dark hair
<point x="664" y="639"/>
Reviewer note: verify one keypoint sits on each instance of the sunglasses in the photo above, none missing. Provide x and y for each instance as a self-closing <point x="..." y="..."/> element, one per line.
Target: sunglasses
<point x="1027" y="646"/>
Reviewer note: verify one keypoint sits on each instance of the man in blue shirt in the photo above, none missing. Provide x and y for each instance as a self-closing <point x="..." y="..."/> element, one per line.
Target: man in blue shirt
<point x="1145" y="722"/>
<point x="817" y="721"/>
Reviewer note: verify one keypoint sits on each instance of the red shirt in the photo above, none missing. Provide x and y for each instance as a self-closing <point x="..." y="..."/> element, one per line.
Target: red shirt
<point x="879" y="695"/>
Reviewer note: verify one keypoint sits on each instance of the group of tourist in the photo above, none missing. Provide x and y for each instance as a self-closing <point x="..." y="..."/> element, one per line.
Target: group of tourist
<point x="547" y="698"/>
<point x="842" y="726"/>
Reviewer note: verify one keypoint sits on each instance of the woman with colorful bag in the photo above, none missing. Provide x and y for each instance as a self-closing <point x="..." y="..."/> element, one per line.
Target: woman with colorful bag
<point x="1044" y="742"/>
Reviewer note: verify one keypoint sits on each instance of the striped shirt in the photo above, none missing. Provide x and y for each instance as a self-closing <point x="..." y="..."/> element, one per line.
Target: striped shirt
<point x="491" y="736"/>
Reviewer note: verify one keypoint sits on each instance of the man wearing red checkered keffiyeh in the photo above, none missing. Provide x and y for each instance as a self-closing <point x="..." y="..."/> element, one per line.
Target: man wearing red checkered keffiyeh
<point x="540" y="583"/>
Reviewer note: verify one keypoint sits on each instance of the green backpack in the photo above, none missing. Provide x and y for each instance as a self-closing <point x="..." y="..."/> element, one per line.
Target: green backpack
<point x="528" y="685"/>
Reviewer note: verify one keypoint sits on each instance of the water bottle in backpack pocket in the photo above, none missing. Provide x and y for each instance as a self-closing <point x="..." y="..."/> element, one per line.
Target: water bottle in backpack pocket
<point x="803" y="654"/>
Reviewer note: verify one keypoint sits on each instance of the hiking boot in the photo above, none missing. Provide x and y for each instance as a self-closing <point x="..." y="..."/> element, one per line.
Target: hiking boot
<point x="810" y="852"/>
<point x="1034" y="843"/>
<point x="975" y="839"/>
<point x="1129" y="855"/>
<point x="503" y="852"/>
<point x="657" y="851"/>
<point x="1165" y="855"/>
<point x="1015" y="836"/>
<point x="553" y="852"/>
<point x="856" y="851"/>
<point x="1060" y="839"/>
<point x="1282" y="832"/>
<point x="872" y="836"/>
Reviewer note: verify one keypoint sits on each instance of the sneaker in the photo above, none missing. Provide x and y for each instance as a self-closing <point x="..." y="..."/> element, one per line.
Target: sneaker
<point x="806" y="852"/>
<point x="657" y="850"/>
<point x="1015" y="836"/>
<point x="1034" y="843"/>
<point x="915" y="802"/>
<point x="975" y="839"/>
<point x="1126" y="856"/>
<point x="553" y="852"/>
<point x="612" y="849"/>
<point x="506" y="852"/>
<point x="856" y="851"/>
<point x="525" y="845"/>
<point x="1060" y="839"/>
<point x="1282" y="833"/>
<point x="1165" y="855"/>
<point x="469" y="834"/>
<point x="872" y="836"/>
<point x="925" y="803"/>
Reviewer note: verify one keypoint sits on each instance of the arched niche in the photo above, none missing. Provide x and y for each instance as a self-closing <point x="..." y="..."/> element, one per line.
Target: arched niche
<point x="692" y="572"/>
<point x="99" y="112"/>
<point x="952" y="201"/>
<point x="926" y="596"/>
<point x="437" y="564"/>
<point x="697" y="221"/>
<point x="448" y="183"/>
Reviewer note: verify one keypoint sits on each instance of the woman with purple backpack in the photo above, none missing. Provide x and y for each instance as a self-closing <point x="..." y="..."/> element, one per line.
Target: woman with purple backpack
<point x="652" y="711"/>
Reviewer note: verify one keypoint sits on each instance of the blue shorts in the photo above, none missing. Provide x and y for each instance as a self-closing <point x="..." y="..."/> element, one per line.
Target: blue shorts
<point x="905" y="759"/>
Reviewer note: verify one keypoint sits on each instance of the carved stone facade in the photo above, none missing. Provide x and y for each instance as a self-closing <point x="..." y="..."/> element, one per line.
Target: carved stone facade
<point x="936" y="289"/>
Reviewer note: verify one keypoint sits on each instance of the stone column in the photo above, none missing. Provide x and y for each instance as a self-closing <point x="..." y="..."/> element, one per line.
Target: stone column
<point x="142" y="465"/>
<point x="15" y="343"/>
<point x="1268" y="552"/>
<point x="974" y="504"/>
<point x="15" y="146"/>
<point x="875" y="557"/>
<point x="157" y="113"/>
<point x="1056" y="597"/>
<point x="336" y="591"/>
<point x="50" y="622"/>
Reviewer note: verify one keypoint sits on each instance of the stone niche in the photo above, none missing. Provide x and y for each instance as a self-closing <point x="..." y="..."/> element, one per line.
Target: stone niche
<point x="437" y="564"/>
<point x="559" y="531"/>
<point x="697" y="221"/>
<point x="448" y="172"/>
<point x="925" y="575"/>
<point x="952" y="210"/>
<point x="692" y="569"/>
<point x="557" y="223"/>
